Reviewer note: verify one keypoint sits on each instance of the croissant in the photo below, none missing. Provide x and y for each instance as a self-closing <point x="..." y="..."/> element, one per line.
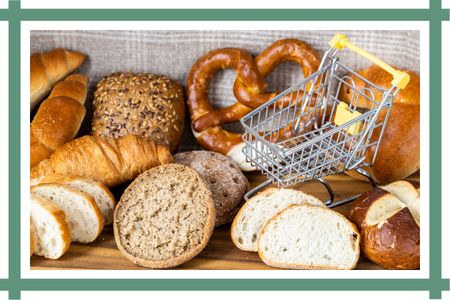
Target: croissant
<point x="59" y="117"/>
<point x="108" y="160"/>
<point x="46" y="69"/>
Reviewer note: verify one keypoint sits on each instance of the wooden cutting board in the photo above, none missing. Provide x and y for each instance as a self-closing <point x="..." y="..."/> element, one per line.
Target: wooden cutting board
<point x="219" y="254"/>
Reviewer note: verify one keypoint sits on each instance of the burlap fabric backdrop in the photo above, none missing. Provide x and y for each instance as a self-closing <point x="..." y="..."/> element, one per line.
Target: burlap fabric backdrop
<point x="172" y="53"/>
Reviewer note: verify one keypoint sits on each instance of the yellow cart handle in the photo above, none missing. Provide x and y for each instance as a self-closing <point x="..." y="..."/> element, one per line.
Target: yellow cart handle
<point x="401" y="78"/>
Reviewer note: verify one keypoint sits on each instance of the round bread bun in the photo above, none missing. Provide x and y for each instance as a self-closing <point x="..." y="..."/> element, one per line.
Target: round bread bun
<point x="165" y="217"/>
<point x="399" y="152"/>
<point x="223" y="177"/>
<point x="143" y="104"/>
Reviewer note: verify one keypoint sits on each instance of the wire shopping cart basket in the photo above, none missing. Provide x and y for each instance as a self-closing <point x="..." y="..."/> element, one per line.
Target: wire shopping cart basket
<point x="326" y="124"/>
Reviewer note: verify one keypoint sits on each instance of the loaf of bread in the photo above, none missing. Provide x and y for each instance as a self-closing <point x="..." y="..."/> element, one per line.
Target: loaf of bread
<point x="143" y="104"/>
<point x="390" y="234"/>
<point x="59" y="117"/>
<point x="223" y="177"/>
<point x="50" y="234"/>
<point x="165" y="217"/>
<point x="46" y="69"/>
<point x="81" y="212"/>
<point x="399" y="152"/>
<point x="108" y="160"/>
<point x="259" y="209"/>
<point x="309" y="237"/>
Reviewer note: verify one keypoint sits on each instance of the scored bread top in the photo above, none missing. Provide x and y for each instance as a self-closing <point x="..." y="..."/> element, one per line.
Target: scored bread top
<point x="165" y="217"/>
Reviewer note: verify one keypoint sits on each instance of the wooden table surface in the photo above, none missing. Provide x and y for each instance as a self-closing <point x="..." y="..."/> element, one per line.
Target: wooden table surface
<point x="219" y="254"/>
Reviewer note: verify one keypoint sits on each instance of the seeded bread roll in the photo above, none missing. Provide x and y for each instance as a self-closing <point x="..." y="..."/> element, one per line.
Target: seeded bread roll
<point x="145" y="104"/>
<point x="165" y="217"/>
<point x="223" y="177"/>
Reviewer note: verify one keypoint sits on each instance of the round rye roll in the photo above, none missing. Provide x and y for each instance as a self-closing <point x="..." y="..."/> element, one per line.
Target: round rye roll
<point x="143" y="104"/>
<point x="165" y="217"/>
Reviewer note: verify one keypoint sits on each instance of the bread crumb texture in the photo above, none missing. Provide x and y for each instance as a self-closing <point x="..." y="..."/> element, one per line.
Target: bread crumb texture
<point x="166" y="214"/>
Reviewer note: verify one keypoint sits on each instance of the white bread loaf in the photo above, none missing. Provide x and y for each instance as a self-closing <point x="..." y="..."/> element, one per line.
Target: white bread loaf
<point x="50" y="233"/>
<point x="82" y="214"/>
<point x="259" y="209"/>
<point x="309" y="237"/>
<point x="101" y="194"/>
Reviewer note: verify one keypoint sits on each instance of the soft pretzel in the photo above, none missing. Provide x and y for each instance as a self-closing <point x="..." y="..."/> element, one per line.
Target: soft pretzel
<point x="249" y="90"/>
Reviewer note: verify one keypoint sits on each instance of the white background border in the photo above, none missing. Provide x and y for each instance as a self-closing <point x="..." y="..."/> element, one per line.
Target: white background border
<point x="225" y="4"/>
<point x="445" y="146"/>
<point x="177" y="25"/>
<point x="4" y="157"/>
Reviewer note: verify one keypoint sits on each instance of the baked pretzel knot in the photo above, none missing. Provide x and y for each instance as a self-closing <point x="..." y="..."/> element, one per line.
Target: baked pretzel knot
<point x="249" y="90"/>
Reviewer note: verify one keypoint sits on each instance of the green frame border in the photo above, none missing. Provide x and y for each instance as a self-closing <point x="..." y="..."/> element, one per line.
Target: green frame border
<point x="435" y="284"/>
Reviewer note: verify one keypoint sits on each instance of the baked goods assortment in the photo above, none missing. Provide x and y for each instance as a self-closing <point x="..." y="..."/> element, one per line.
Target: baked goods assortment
<point x="171" y="204"/>
<point x="143" y="104"/>
<point x="47" y="69"/>
<point x="389" y="220"/>
<point x="58" y="118"/>
<point x="223" y="177"/>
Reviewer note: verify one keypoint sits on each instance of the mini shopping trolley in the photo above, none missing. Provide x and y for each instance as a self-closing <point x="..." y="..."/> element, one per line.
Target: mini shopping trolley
<point x="332" y="121"/>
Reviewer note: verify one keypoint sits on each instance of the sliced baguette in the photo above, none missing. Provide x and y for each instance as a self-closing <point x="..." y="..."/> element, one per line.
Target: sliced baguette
<point x="50" y="234"/>
<point x="309" y="237"/>
<point x="254" y="214"/>
<point x="84" y="218"/>
<point x="101" y="194"/>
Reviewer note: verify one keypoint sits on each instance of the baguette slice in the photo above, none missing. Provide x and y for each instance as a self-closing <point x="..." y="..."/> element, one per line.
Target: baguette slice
<point x="261" y="208"/>
<point x="82" y="214"/>
<point x="50" y="233"/>
<point x="101" y="194"/>
<point x="309" y="237"/>
<point x="31" y="240"/>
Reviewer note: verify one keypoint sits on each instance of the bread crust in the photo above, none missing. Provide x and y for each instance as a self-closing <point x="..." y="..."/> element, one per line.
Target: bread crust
<point x="399" y="152"/>
<point x="46" y="69"/>
<point x="170" y="263"/>
<point x="143" y="104"/>
<point x="306" y="267"/>
<point x="88" y="198"/>
<point x="223" y="177"/>
<point x="59" y="117"/>
<point x="60" y="218"/>
<point x="60" y="179"/>
<point x="395" y="243"/>
<point x="244" y="207"/>
<point x="110" y="161"/>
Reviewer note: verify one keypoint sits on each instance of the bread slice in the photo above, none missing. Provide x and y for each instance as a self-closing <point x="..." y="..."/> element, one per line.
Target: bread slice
<point x="101" y="194"/>
<point x="50" y="234"/>
<point x="407" y="194"/>
<point x="259" y="209"/>
<point x="309" y="237"/>
<point x="82" y="214"/>
<point x="165" y="217"/>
